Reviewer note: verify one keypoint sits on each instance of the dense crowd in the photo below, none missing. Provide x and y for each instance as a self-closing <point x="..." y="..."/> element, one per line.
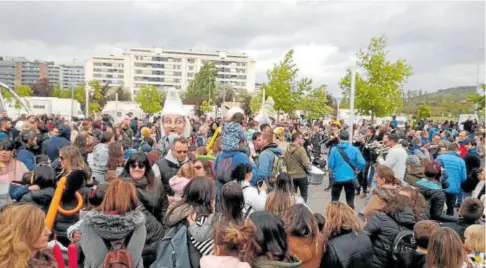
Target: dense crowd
<point x="174" y="191"/>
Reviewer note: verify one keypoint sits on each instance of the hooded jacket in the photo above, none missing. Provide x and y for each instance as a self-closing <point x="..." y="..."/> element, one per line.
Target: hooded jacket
<point x="55" y="143"/>
<point x="100" y="160"/>
<point x="382" y="230"/>
<point x="348" y="250"/>
<point x="413" y="175"/>
<point x="435" y="197"/>
<point x="455" y="168"/>
<point x="177" y="184"/>
<point x="341" y="171"/>
<point x="306" y="250"/>
<point x="263" y="262"/>
<point x="26" y="156"/>
<point x="97" y="226"/>
<point x="264" y="163"/>
<point x="379" y="199"/>
<point x="296" y="161"/>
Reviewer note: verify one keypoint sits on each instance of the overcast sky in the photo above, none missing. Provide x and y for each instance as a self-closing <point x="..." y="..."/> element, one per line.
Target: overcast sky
<point x="439" y="38"/>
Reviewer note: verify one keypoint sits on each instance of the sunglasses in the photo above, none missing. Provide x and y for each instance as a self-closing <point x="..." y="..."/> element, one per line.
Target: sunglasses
<point x="61" y="158"/>
<point x="139" y="165"/>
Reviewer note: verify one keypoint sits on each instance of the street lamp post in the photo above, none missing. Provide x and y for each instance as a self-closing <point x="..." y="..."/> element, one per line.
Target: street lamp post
<point x="72" y="93"/>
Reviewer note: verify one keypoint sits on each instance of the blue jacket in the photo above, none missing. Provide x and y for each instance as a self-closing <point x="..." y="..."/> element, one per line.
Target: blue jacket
<point x="238" y="158"/>
<point x="264" y="164"/>
<point x="432" y="133"/>
<point x="56" y="143"/>
<point x="341" y="171"/>
<point x="27" y="157"/>
<point x="455" y="167"/>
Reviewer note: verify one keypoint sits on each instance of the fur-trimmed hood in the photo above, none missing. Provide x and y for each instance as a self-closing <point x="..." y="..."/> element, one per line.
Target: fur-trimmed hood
<point x="114" y="227"/>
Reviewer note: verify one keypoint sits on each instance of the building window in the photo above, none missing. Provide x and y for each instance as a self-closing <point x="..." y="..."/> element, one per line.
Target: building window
<point x="191" y="60"/>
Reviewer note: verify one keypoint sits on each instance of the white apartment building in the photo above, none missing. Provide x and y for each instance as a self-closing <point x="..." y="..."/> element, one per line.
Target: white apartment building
<point x="167" y="68"/>
<point x="71" y="76"/>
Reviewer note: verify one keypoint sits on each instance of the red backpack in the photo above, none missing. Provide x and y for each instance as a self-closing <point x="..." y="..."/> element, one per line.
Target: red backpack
<point x="118" y="256"/>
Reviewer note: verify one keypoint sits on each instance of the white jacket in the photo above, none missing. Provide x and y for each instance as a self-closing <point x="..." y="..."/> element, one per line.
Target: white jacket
<point x="396" y="159"/>
<point x="254" y="200"/>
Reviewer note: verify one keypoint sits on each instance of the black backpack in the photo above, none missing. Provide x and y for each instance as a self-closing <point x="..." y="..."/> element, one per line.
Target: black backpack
<point x="403" y="245"/>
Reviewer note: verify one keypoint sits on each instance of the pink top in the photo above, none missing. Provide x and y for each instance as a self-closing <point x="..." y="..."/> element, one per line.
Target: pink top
<point x="13" y="171"/>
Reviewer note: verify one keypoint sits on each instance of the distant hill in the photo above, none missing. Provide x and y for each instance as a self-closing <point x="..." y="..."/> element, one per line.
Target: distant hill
<point x="444" y="102"/>
<point x="443" y="95"/>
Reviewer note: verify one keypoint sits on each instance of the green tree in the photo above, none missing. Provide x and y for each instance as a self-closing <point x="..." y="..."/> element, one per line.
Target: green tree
<point x="282" y="85"/>
<point x="149" y="98"/>
<point x="314" y="104"/>
<point x="423" y="112"/>
<point x="378" y="80"/>
<point x="206" y="106"/>
<point x="202" y="88"/>
<point x="479" y="99"/>
<point x="21" y="91"/>
<point x="256" y="102"/>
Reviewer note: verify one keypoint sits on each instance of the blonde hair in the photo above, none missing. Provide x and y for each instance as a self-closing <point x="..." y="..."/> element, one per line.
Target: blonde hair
<point x="73" y="159"/>
<point x="22" y="226"/>
<point x="186" y="170"/>
<point x="475" y="236"/>
<point x="339" y="217"/>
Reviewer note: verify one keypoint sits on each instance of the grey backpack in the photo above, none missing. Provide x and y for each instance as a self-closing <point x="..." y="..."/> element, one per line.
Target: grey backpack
<point x="172" y="251"/>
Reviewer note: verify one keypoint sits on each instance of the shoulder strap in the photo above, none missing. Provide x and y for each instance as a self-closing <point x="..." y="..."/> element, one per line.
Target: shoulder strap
<point x="125" y="241"/>
<point x="295" y="160"/>
<point x="345" y="157"/>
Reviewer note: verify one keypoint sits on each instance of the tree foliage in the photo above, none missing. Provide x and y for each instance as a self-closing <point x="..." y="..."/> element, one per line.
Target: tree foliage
<point x="150" y="99"/>
<point x="423" y="112"/>
<point x="206" y="106"/>
<point x="378" y="80"/>
<point x="479" y="99"/>
<point x="315" y="104"/>
<point x="282" y="84"/>
<point x="22" y="91"/>
<point x="43" y="88"/>
<point x="202" y="87"/>
<point x="256" y="102"/>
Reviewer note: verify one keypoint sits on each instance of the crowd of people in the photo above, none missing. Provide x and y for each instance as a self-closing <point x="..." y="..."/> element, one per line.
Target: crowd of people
<point x="174" y="191"/>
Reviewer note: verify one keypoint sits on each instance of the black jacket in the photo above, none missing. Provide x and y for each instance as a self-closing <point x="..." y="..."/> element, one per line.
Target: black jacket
<point x="434" y="209"/>
<point x="168" y="169"/>
<point x="41" y="198"/>
<point x="348" y="249"/>
<point x="153" y="198"/>
<point x="382" y="230"/>
<point x="413" y="259"/>
<point x="473" y="163"/>
<point x="459" y="226"/>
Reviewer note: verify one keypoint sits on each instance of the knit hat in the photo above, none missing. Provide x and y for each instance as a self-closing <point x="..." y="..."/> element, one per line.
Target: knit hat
<point x="145" y="132"/>
<point x="413" y="161"/>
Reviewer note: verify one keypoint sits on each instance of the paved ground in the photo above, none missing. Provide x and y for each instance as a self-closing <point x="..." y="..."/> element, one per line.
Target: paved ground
<point x="319" y="199"/>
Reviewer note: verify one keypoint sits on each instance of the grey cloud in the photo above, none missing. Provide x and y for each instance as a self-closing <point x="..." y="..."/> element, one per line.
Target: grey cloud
<point x="435" y="37"/>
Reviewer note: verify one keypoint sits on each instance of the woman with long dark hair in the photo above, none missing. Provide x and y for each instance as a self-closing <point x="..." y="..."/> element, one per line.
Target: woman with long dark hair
<point x="232" y="202"/>
<point x="255" y="198"/>
<point x="283" y="196"/>
<point x="149" y="190"/>
<point x="195" y="208"/>
<point x="115" y="161"/>
<point x="305" y="240"/>
<point x="384" y="226"/>
<point x="269" y="247"/>
<point x="42" y="188"/>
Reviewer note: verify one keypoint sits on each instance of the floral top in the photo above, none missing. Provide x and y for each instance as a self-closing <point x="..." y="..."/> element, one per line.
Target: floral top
<point x="476" y="260"/>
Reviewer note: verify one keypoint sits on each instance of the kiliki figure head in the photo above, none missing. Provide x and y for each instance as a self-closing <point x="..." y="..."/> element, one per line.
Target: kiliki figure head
<point x="174" y="117"/>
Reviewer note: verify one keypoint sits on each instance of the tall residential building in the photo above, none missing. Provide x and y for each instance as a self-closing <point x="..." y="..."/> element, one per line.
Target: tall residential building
<point x="71" y="76"/>
<point x="167" y="68"/>
<point x="108" y="70"/>
<point x="7" y="71"/>
<point x="15" y="71"/>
